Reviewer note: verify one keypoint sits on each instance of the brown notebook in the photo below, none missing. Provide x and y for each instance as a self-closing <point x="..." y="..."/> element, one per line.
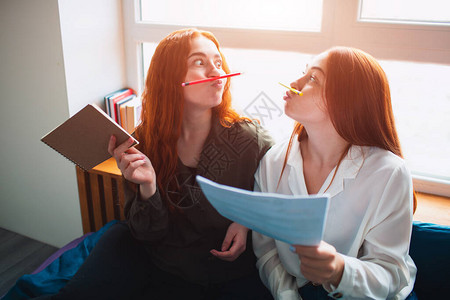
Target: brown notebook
<point x="84" y="137"/>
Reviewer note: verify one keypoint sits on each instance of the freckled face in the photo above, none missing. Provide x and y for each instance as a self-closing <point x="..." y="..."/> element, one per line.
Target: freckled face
<point x="203" y="61"/>
<point x="311" y="107"/>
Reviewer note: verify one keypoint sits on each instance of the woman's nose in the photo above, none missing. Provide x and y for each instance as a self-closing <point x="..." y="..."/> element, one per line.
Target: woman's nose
<point x="298" y="84"/>
<point x="214" y="70"/>
<point x="295" y="85"/>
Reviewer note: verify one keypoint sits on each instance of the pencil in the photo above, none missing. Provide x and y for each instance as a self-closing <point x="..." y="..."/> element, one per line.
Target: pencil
<point x="292" y="89"/>
<point x="209" y="79"/>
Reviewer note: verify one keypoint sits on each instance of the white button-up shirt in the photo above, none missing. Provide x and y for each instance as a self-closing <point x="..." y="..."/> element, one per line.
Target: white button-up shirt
<point x="369" y="222"/>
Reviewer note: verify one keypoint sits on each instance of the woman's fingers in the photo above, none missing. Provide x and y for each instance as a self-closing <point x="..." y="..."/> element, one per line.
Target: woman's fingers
<point x="132" y="167"/>
<point x="126" y="159"/>
<point x="320" y="263"/>
<point x="122" y="148"/>
<point x="112" y="145"/>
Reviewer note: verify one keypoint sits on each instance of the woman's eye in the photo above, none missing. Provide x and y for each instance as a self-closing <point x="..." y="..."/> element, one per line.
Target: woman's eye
<point x="198" y="62"/>
<point x="312" y="78"/>
<point x="219" y="64"/>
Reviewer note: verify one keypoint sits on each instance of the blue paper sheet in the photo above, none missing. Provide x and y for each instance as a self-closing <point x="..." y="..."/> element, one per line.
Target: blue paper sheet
<point x="296" y="220"/>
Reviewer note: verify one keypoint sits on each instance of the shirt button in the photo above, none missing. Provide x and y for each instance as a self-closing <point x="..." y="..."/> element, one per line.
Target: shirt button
<point x="337" y="295"/>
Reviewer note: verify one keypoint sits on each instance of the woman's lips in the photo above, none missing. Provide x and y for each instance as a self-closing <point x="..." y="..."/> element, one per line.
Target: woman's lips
<point x="217" y="83"/>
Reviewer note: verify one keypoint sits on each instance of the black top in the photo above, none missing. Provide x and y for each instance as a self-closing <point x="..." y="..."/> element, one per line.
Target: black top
<point x="179" y="241"/>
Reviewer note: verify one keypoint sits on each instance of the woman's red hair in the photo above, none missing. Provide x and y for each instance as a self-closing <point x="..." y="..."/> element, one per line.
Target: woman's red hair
<point x="358" y="101"/>
<point x="162" y="102"/>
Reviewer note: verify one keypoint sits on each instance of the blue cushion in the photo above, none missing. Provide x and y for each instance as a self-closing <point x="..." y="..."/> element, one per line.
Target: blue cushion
<point x="430" y="250"/>
<point x="57" y="270"/>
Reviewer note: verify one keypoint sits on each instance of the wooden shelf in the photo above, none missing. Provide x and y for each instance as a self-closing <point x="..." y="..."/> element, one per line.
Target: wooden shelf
<point x="109" y="167"/>
<point x="101" y="194"/>
<point x="432" y="209"/>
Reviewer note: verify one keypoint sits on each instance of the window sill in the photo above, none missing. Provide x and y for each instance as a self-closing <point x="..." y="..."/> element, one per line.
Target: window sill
<point x="432" y="209"/>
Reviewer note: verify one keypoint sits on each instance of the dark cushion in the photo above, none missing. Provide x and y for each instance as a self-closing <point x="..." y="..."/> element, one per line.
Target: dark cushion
<point x="57" y="270"/>
<point x="430" y="250"/>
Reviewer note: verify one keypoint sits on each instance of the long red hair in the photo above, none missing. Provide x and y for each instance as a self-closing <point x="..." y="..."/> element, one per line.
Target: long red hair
<point x="162" y="102"/>
<point x="358" y="101"/>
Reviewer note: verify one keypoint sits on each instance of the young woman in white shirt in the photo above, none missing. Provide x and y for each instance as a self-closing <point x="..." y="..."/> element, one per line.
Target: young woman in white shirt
<point x="344" y="144"/>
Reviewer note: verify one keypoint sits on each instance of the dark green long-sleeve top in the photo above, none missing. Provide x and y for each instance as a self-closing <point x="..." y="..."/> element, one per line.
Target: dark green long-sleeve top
<point x="179" y="241"/>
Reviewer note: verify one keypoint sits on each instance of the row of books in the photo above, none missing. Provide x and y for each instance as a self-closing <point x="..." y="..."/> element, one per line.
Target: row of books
<point x="124" y="107"/>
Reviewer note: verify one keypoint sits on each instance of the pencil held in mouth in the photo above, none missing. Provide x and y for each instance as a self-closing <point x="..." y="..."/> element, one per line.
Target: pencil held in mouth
<point x="210" y="79"/>
<point x="292" y="89"/>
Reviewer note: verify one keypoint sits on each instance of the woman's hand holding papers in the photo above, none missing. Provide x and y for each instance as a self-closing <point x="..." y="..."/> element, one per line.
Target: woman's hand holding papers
<point x="135" y="166"/>
<point x="321" y="263"/>
<point x="236" y="237"/>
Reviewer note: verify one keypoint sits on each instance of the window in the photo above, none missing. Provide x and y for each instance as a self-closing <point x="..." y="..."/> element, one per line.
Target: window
<point x="406" y="11"/>
<point x="416" y="58"/>
<point x="292" y="15"/>
<point x="419" y="91"/>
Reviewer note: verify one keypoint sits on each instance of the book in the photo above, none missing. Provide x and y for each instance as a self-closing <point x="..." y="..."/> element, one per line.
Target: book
<point x="293" y="219"/>
<point x="84" y="137"/>
<point x="112" y="95"/>
<point x="133" y="114"/>
<point x="119" y="107"/>
<point x="123" y="118"/>
<point x="112" y="99"/>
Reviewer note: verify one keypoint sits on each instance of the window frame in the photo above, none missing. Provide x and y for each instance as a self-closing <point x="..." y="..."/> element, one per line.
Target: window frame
<point x="340" y="26"/>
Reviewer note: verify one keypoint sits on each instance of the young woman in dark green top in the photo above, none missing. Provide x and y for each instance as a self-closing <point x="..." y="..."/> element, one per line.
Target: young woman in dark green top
<point x="175" y="245"/>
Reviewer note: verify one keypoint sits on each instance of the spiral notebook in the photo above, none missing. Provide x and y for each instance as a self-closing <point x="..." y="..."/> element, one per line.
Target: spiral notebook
<point x="84" y="137"/>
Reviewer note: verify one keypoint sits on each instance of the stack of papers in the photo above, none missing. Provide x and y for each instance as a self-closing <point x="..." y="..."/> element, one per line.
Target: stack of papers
<point x="296" y="220"/>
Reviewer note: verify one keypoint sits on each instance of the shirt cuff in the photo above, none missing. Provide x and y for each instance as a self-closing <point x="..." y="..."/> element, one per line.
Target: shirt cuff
<point x="346" y="283"/>
<point x="155" y="200"/>
<point x="288" y="295"/>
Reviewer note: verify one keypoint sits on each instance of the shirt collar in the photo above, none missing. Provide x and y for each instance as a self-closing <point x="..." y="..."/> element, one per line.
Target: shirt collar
<point x="348" y="168"/>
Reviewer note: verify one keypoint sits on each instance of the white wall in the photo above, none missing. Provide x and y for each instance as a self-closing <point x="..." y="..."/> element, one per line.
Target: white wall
<point x="93" y="49"/>
<point x="55" y="57"/>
